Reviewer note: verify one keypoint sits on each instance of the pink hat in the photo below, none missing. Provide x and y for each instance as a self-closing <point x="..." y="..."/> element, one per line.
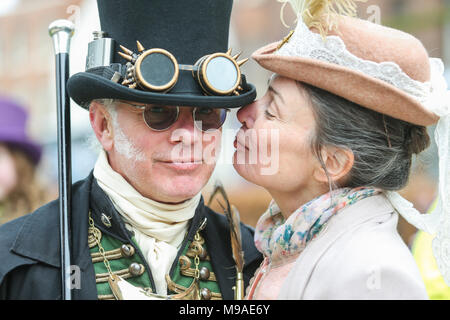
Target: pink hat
<point x="379" y="68"/>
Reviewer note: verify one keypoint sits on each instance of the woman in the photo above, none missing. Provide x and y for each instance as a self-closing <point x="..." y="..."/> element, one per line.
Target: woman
<point x="20" y="190"/>
<point x="348" y="105"/>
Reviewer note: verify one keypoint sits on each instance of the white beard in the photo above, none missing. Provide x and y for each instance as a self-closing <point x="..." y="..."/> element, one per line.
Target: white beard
<point x="125" y="147"/>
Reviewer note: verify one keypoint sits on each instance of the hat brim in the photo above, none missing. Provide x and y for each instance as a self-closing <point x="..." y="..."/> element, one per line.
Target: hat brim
<point x="84" y="87"/>
<point x="352" y="85"/>
<point x="33" y="150"/>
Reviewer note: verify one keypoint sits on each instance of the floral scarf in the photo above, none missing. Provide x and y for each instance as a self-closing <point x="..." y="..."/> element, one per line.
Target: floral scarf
<point x="277" y="237"/>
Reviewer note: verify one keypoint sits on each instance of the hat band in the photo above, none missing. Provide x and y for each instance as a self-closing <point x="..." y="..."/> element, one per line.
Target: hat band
<point x="186" y="84"/>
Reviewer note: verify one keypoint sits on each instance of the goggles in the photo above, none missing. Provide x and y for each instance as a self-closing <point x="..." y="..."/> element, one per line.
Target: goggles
<point x="157" y="70"/>
<point x="161" y="118"/>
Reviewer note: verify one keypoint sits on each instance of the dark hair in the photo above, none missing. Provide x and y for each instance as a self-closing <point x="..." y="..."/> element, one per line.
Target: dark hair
<point x="382" y="146"/>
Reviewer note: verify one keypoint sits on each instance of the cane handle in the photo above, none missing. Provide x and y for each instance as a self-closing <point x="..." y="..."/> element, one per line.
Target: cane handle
<point x="61" y="31"/>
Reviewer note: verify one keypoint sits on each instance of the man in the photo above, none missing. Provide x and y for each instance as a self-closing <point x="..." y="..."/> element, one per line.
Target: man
<point x="139" y="226"/>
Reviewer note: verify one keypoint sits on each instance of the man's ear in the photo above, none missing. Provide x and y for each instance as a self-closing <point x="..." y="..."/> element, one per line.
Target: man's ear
<point x="101" y="124"/>
<point x="338" y="162"/>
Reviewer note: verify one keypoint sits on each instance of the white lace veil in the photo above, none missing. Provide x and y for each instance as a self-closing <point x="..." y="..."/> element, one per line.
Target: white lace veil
<point x="434" y="95"/>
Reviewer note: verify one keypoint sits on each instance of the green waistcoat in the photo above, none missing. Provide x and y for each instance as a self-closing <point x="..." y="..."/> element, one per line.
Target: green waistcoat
<point x="191" y="276"/>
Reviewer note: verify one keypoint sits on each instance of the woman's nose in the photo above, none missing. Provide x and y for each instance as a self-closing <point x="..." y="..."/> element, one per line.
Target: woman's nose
<point x="247" y="114"/>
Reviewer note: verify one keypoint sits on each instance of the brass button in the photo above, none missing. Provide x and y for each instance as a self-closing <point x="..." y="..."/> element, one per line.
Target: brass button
<point x="204" y="273"/>
<point x="136" y="269"/>
<point x="205" y="293"/>
<point x="127" y="250"/>
<point x="203" y="254"/>
<point x="106" y="220"/>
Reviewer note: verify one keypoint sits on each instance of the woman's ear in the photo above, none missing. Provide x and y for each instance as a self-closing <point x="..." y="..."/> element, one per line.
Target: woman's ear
<point x="101" y="124"/>
<point x="338" y="163"/>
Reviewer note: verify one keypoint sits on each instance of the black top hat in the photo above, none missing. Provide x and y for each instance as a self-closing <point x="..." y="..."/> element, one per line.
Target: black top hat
<point x="188" y="30"/>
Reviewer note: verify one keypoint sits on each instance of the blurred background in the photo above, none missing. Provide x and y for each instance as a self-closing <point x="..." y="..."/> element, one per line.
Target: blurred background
<point x="27" y="74"/>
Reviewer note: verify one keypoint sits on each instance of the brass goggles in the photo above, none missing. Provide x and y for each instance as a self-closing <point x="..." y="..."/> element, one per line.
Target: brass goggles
<point x="157" y="70"/>
<point x="161" y="118"/>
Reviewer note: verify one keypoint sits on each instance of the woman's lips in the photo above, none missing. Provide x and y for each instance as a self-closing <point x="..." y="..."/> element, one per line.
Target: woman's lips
<point x="237" y="141"/>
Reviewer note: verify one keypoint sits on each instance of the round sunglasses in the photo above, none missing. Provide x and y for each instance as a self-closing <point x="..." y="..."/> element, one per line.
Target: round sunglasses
<point x="161" y="118"/>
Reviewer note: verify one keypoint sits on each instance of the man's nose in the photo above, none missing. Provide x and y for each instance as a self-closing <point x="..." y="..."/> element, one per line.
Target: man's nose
<point x="184" y="129"/>
<point x="247" y="114"/>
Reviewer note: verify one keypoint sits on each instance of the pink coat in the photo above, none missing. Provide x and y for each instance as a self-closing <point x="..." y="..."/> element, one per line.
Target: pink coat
<point x="358" y="255"/>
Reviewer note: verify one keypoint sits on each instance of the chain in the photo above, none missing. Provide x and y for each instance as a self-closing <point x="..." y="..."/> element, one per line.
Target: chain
<point x="197" y="258"/>
<point x="96" y="235"/>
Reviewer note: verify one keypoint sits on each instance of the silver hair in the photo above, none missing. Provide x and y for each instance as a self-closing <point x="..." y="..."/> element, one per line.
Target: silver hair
<point x="382" y="146"/>
<point x="92" y="141"/>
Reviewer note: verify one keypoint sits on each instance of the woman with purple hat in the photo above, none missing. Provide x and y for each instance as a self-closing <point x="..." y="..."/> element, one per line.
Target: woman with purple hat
<point x="350" y="101"/>
<point x="20" y="191"/>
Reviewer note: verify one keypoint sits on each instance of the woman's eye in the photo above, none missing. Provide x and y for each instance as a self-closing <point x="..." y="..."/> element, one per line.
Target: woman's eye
<point x="268" y="114"/>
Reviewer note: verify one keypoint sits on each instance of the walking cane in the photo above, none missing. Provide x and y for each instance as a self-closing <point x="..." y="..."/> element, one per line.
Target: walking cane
<point x="61" y="31"/>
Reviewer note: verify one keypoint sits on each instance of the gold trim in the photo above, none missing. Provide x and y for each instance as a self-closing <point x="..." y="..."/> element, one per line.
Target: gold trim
<point x="126" y="50"/>
<point x="240" y="63"/>
<point x="103" y="277"/>
<point x="191" y="254"/>
<point x="93" y="235"/>
<point x="183" y="293"/>
<point x="125" y="56"/>
<point x="184" y="262"/>
<point x="140" y="79"/>
<point x="140" y="47"/>
<point x="110" y="255"/>
<point x="285" y="39"/>
<point x="216" y="296"/>
<point x="191" y="293"/>
<point x="106" y="297"/>
<point x="196" y="73"/>
<point x="191" y="273"/>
